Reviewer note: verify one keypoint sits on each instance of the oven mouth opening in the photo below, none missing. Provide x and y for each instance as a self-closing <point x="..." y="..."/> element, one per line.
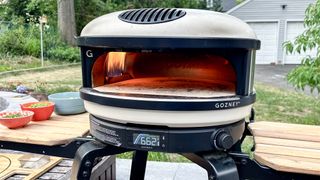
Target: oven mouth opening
<point x="174" y="75"/>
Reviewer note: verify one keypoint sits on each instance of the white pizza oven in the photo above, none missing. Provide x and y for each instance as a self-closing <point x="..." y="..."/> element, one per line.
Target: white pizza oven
<point x="163" y="73"/>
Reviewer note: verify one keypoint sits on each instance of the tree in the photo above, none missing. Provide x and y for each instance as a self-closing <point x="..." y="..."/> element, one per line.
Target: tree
<point x="308" y="73"/>
<point x="66" y="21"/>
<point x="31" y="9"/>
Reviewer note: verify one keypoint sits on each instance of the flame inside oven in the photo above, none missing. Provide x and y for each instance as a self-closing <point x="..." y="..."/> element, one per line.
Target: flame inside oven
<point x="115" y="63"/>
<point x="174" y="75"/>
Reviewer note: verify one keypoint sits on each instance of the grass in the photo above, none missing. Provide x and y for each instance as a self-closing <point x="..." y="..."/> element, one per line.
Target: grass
<point x="10" y="63"/>
<point x="272" y="104"/>
<point x="281" y="105"/>
<point x="50" y="81"/>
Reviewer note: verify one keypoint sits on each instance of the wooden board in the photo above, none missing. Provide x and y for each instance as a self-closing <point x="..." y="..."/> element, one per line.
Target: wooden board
<point x="10" y="166"/>
<point x="287" y="147"/>
<point x="289" y="163"/>
<point x="55" y="131"/>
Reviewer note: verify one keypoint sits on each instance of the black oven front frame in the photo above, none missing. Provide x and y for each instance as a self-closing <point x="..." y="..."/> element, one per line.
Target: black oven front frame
<point x="239" y="52"/>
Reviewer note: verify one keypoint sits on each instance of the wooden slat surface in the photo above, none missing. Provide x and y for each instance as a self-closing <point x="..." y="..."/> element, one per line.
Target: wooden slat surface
<point x="286" y="131"/>
<point x="289" y="163"/>
<point x="287" y="147"/>
<point x="286" y="142"/>
<point x="57" y="130"/>
<point x="10" y="165"/>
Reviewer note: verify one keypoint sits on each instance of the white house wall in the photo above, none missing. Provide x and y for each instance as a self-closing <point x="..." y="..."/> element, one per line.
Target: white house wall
<point x="295" y="28"/>
<point x="272" y="10"/>
<point x="267" y="33"/>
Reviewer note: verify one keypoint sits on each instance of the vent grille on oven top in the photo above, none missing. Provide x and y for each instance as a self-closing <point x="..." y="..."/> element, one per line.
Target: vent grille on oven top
<point x="151" y="15"/>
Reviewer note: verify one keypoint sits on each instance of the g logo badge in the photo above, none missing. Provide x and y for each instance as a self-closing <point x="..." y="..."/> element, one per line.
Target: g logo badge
<point x="89" y="53"/>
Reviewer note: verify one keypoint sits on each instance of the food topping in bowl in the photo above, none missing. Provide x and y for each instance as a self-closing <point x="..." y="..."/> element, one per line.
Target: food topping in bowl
<point x="42" y="110"/>
<point x="15" y="119"/>
<point x="13" y="115"/>
<point x="39" y="104"/>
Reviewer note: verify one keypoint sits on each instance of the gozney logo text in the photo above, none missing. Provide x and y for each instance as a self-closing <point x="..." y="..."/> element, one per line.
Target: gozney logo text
<point x="227" y="104"/>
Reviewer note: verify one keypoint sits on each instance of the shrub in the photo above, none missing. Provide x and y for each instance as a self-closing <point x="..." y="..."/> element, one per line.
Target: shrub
<point x="12" y="42"/>
<point x="20" y="40"/>
<point x="25" y="40"/>
<point x="70" y="54"/>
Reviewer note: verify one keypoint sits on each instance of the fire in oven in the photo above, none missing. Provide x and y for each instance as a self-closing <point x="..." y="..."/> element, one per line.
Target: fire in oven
<point x="162" y="79"/>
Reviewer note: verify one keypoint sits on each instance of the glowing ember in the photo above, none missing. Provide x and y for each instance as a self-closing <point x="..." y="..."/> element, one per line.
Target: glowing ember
<point x="115" y="63"/>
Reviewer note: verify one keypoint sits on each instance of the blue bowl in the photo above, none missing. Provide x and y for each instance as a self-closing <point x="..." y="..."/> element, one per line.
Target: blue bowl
<point x="67" y="103"/>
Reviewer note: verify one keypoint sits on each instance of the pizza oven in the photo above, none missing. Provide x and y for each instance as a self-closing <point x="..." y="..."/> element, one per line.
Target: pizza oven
<point x="161" y="79"/>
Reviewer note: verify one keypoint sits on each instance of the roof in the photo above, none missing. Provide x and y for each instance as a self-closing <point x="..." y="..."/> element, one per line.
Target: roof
<point x="228" y="4"/>
<point x="238" y="6"/>
<point x="272" y="8"/>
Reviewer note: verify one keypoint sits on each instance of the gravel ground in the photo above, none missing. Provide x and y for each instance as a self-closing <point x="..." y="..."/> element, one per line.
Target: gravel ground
<point x="275" y="75"/>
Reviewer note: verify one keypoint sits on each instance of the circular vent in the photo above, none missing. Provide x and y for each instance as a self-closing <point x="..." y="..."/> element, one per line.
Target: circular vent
<point x="151" y="15"/>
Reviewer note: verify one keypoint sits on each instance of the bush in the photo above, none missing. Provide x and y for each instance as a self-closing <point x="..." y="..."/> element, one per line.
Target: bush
<point x="13" y="42"/>
<point x="70" y="54"/>
<point x="25" y="40"/>
<point x="20" y="40"/>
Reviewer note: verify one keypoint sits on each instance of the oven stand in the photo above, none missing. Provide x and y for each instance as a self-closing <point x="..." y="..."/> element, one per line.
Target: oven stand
<point x="232" y="165"/>
<point x="138" y="165"/>
<point x="218" y="165"/>
<point x="85" y="157"/>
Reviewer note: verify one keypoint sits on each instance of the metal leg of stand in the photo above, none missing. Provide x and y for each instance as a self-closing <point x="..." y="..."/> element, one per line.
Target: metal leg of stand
<point x="219" y="166"/>
<point x="138" y="166"/>
<point x="85" y="156"/>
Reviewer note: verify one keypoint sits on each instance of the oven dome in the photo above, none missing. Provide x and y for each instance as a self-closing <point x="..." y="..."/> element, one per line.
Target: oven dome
<point x="193" y="24"/>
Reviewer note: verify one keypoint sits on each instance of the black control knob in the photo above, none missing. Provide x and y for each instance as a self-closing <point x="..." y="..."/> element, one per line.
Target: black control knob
<point x="223" y="140"/>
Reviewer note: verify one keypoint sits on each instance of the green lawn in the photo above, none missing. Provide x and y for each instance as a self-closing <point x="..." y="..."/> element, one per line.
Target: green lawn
<point x="10" y="63"/>
<point x="57" y="79"/>
<point x="280" y="105"/>
<point x="272" y="104"/>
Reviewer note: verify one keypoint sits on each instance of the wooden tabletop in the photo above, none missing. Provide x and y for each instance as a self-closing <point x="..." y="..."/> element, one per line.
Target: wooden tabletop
<point x="55" y="131"/>
<point x="287" y="147"/>
<point x="10" y="166"/>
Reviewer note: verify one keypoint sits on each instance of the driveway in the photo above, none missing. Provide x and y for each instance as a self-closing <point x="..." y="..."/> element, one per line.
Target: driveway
<point x="275" y="75"/>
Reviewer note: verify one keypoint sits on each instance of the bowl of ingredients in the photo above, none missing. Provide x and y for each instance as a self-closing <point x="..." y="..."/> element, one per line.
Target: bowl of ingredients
<point x="42" y="110"/>
<point x="67" y="103"/>
<point x="16" y="119"/>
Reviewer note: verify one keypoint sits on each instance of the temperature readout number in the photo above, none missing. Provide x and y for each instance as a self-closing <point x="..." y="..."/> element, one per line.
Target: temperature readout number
<point x="146" y="139"/>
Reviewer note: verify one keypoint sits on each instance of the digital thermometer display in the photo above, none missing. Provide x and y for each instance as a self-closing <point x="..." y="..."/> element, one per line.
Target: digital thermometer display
<point x="146" y="139"/>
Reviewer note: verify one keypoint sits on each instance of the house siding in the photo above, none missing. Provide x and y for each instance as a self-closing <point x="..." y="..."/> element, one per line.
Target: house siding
<point x="281" y="39"/>
<point x="228" y="4"/>
<point x="271" y="10"/>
